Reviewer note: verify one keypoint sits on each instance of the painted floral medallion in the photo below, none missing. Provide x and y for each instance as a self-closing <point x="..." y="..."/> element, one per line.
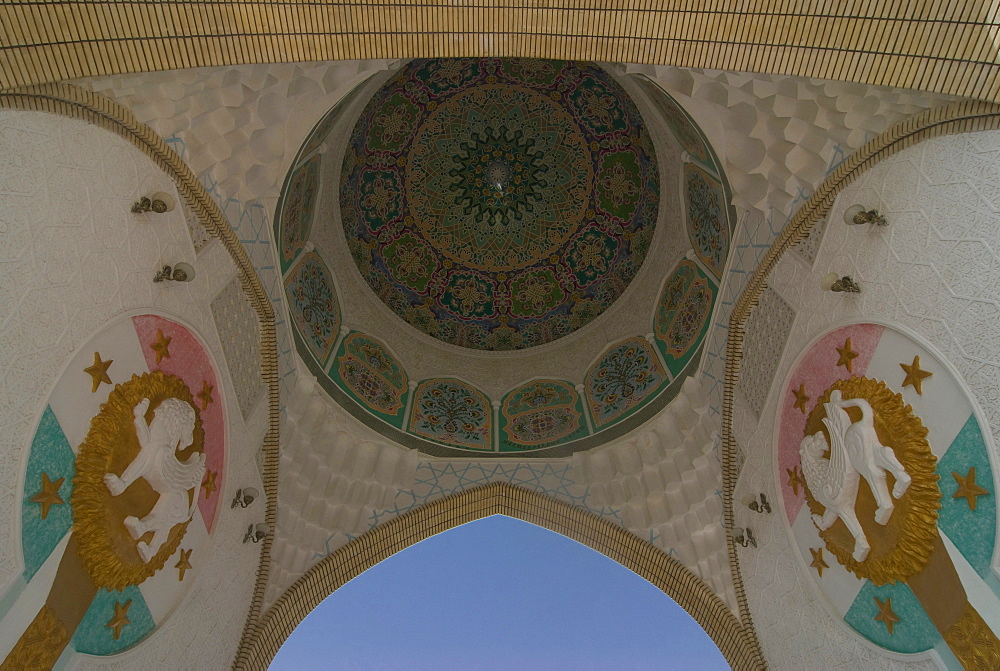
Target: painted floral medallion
<point x="499" y="204"/>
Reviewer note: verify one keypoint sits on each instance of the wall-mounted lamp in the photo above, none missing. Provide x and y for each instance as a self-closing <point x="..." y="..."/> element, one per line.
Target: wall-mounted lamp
<point x="833" y="282"/>
<point x="743" y="536"/>
<point x="761" y="506"/>
<point x="179" y="272"/>
<point x="159" y="203"/>
<point x="857" y="215"/>
<point x="245" y="497"/>
<point x="256" y="532"/>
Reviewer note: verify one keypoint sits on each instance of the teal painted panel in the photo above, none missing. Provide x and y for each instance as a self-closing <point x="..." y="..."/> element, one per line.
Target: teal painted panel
<point x="94" y="637"/>
<point x="540" y="414"/>
<point x="972" y="531"/>
<point x="913" y="633"/>
<point x="371" y="375"/>
<point x="52" y="455"/>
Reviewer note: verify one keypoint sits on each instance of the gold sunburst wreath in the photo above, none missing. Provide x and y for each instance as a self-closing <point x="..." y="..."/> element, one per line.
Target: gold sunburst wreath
<point x="902" y="547"/>
<point x="106" y="549"/>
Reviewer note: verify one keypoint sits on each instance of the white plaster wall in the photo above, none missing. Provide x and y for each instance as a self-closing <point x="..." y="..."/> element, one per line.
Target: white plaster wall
<point x="72" y="257"/>
<point x="935" y="271"/>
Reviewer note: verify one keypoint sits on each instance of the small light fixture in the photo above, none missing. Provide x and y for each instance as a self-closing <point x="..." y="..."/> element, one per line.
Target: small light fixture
<point x="833" y="282"/>
<point x="256" y="532"/>
<point x="159" y="203"/>
<point x="761" y="506"/>
<point x="245" y="497"/>
<point x="857" y="215"/>
<point x="179" y="272"/>
<point x="743" y="536"/>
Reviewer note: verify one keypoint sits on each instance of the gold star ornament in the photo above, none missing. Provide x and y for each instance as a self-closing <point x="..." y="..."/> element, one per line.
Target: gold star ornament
<point x="120" y="619"/>
<point x="817" y="562"/>
<point x="967" y="488"/>
<point x="161" y="346"/>
<point x="885" y="613"/>
<point x="49" y="494"/>
<point x="184" y="563"/>
<point x="795" y="480"/>
<point x="205" y="395"/>
<point x="847" y="356"/>
<point x="801" y="398"/>
<point x="208" y="484"/>
<point x="98" y="372"/>
<point x="914" y="375"/>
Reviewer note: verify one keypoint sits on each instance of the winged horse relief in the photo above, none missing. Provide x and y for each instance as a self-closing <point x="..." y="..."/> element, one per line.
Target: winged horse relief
<point x="855" y="452"/>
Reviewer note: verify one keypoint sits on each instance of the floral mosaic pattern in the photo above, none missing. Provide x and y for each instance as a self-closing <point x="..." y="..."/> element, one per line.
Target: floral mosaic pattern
<point x="373" y="375"/>
<point x="626" y="376"/>
<point x="452" y="412"/>
<point x="706" y="217"/>
<point x="540" y="413"/>
<point x="312" y="302"/>
<point x="682" y="312"/>
<point x="297" y="213"/>
<point x="499" y="204"/>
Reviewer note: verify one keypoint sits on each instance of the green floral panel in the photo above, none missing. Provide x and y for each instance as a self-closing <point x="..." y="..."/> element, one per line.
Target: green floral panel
<point x="626" y="376"/>
<point x="372" y="376"/>
<point x="313" y="305"/>
<point x="707" y="220"/>
<point x="682" y="314"/>
<point x="683" y="128"/>
<point x="499" y="203"/>
<point x="297" y="210"/>
<point x="452" y="412"/>
<point x="541" y="413"/>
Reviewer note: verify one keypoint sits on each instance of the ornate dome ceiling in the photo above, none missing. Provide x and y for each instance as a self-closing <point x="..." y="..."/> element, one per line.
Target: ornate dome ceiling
<point x="506" y="256"/>
<point x="499" y="204"/>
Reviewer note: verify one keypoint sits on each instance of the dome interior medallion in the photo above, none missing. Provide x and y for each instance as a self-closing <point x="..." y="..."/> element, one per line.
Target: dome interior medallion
<point x="499" y="204"/>
<point x="550" y="233"/>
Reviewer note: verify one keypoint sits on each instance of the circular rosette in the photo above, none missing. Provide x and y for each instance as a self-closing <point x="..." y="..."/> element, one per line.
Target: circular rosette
<point x="901" y="547"/>
<point x="107" y="550"/>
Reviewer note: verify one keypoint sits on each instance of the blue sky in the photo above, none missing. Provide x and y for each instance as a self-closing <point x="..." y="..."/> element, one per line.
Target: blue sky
<point x="498" y="594"/>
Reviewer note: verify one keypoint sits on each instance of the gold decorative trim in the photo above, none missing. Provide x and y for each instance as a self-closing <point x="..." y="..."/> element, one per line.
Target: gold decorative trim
<point x="76" y="103"/>
<point x="40" y="645"/>
<point x="934" y="46"/>
<point x="611" y="540"/>
<point x="961" y="117"/>
<point x="972" y="641"/>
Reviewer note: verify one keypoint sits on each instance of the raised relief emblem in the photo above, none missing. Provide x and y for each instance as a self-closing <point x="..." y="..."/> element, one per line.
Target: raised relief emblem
<point x="855" y="452"/>
<point x="171" y="430"/>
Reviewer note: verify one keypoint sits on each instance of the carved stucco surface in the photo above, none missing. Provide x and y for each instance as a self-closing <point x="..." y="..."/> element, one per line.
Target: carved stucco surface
<point x="72" y="257"/>
<point x="339" y="479"/>
<point x="935" y="271"/>
<point x="766" y="333"/>
<point x="239" y="333"/>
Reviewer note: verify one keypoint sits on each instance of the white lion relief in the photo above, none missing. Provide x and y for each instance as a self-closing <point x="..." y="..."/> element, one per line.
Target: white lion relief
<point x="855" y="451"/>
<point x="172" y="429"/>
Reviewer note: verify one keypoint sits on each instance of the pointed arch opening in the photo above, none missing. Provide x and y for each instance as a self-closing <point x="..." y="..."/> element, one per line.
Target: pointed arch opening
<point x="499" y="593"/>
<point x="620" y="545"/>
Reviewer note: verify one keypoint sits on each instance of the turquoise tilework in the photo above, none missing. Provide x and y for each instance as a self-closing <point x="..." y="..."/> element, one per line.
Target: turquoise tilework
<point x="52" y="455"/>
<point x="972" y="531"/>
<point x="93" y="637"/>
<point x="913" y="633"/>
